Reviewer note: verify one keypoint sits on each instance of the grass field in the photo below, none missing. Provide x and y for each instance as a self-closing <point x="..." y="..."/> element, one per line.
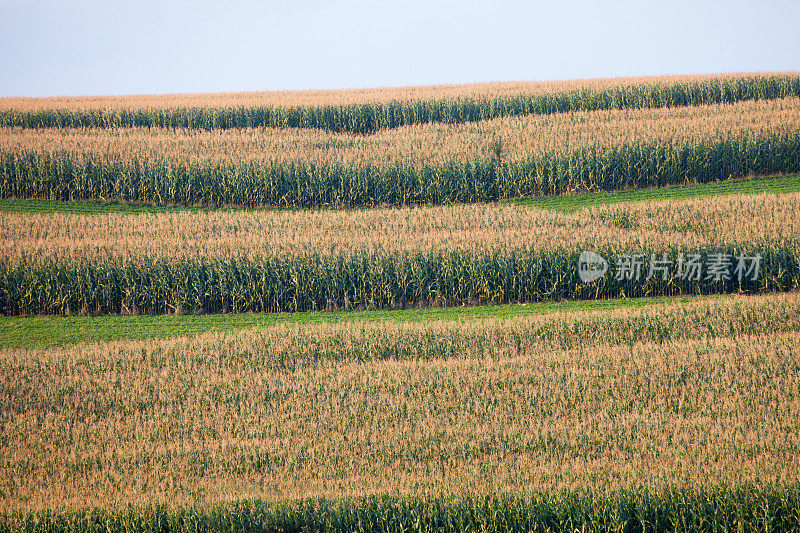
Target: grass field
<point x="568" y="203"/>
<point x="11" y="205"/>
<point x="49" y="331"/>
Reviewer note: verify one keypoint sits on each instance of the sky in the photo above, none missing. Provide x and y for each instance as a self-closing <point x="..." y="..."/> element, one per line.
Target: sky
<point x="83" y="47"/>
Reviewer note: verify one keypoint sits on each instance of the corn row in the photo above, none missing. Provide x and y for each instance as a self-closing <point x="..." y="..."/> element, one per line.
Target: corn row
<point x="361" y="280"/>
<point x="371" y="117"/>
<point x="68" y="176"/>
<point x="755" y="508"/>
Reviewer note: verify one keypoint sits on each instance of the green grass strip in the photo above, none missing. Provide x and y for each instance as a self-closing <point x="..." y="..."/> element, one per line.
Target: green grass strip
<point x="86" y="207"/>
<point x="573" y="202"/>
<point x="49" y="331"/>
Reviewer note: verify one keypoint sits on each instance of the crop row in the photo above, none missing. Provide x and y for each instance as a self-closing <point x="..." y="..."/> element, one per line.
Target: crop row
<point x="485" y="160"/>
<point x="371" y="117"/>
<point x="67" y="176"/>
<point x="676" y="509"/>
<point x="697" y="394"/>
<point x="373" y="280"/>
<point x="334" y="97"/>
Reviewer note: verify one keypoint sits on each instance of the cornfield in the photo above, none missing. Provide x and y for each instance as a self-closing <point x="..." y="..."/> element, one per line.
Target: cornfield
<point x="505" y="158"/>
<point x="363" y="281"/>
<point x="680" y="415"/>
<point x="761" y="220"/>
<point x="666" y="399"/>
<point x="243" y="261"/>
<point x="746" y="508"/>
<point x="394" y="108"/>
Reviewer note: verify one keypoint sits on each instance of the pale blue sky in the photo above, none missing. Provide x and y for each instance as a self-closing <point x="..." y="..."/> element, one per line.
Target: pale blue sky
<point x="62" y="47"/>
